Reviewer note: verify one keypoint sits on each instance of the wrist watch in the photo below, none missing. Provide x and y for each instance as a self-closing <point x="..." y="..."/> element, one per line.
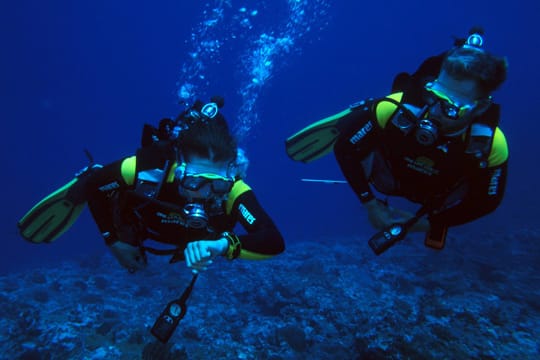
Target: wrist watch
<point x="235" y="246"/>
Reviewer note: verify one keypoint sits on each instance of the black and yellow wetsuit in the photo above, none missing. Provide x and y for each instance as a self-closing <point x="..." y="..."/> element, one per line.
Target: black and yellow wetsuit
<point x="123" y="213"/>
<point x="442" y="173"/>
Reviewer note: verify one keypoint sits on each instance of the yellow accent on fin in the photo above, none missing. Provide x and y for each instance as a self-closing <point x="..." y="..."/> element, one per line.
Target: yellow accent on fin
<point x="315" y="140"/>
<point x="51" y="217"/>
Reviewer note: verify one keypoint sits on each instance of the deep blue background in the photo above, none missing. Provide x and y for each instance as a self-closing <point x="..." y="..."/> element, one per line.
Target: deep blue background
<point x="77" y="75"/>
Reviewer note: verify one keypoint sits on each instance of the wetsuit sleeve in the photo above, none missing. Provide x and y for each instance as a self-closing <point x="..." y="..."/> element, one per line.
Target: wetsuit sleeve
<point x="359" y="134"/>
<point x="263" y="238"/>
<point x="101" y="188"/>
<point x="484" y="192"/>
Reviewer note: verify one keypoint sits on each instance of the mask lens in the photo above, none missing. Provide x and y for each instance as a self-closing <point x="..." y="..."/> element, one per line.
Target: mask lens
<point x="454" y="111"/>
<point x="450" y="111"/>
<point x="193" y="183"/>
<point x="219" y="185"/>
<point x="222" y="187"/>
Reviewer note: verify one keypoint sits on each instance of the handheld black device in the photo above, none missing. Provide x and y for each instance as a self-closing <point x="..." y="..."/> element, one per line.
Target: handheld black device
<point x="170" y="317"/>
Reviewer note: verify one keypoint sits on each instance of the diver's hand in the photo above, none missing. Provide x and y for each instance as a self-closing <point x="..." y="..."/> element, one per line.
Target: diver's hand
<point x="128" y="256"/>
<point x="381" y="216"/>
<point x="200" y="254"/>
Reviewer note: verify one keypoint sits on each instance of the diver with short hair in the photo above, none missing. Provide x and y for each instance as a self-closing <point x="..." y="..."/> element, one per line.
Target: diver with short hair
<point x="434" y="141"/>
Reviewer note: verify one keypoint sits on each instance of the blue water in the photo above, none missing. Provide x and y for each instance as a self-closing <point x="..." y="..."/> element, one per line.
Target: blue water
<point x="77" y="75"/>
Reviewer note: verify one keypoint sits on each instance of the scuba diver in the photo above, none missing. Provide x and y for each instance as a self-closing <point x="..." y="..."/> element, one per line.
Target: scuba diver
<point x="434" y="141"/>
<point x="184" y="188"/>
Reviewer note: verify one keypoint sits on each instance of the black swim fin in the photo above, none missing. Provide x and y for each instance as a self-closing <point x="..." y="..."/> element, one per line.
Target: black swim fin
<point x="315" y="140"/>
<point x="55" y="213"/>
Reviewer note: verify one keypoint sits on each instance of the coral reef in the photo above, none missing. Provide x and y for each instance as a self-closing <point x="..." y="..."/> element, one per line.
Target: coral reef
<point x="327" y="298"/>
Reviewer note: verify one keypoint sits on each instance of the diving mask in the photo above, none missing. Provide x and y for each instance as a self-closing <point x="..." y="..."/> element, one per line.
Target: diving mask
<point x="205" y="193"/>
<point x="444" y="105"/>
<point x="450" y="112"/>
<point x="207" y="184"/>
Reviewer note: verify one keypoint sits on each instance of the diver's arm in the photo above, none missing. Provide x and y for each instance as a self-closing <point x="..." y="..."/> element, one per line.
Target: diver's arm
<point x="99" y="190"/>
<point x="263" y="238"/>
<point x="484" y="195"/>
<point x="358" y="137"/>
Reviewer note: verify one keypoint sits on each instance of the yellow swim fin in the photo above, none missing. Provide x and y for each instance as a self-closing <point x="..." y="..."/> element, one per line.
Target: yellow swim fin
<point x="315" y="140"/>
<point x="53" y="215"/>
